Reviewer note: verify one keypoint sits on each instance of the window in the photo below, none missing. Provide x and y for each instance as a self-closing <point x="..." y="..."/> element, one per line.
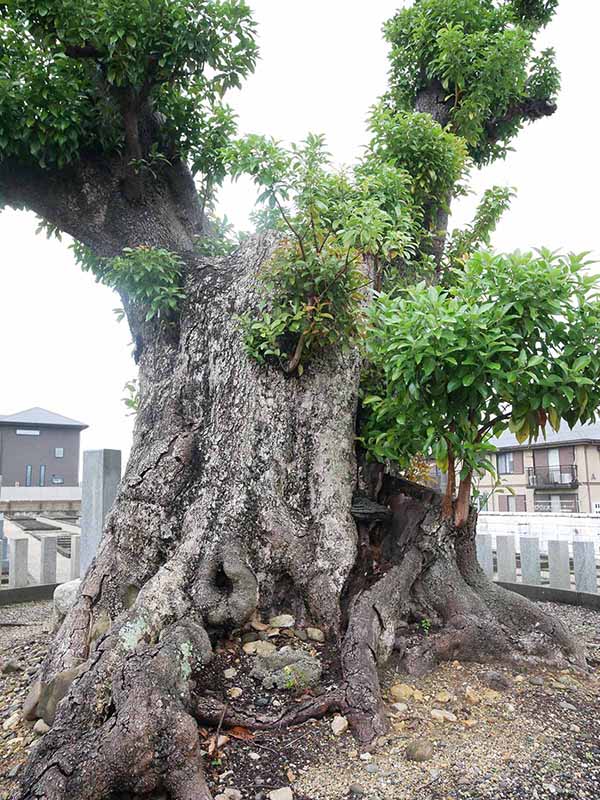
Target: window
<point x="506" y="463"/>
<point x="28" y="471"/>
<point x="27" y="432"/>
<point x="42" y="474"/>
<point x="59" y="452"/>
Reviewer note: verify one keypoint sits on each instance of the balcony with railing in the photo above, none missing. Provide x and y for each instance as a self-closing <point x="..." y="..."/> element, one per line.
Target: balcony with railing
<point x="562" y="477"/>
<point x="566" y="505"/>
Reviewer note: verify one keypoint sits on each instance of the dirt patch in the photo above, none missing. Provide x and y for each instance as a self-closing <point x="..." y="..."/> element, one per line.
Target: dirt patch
<point x="510" y="735"/>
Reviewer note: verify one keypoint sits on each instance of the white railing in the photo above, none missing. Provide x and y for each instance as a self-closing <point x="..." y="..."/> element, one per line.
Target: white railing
<point x="567" y="565"/>
<point x="69" y="494"/>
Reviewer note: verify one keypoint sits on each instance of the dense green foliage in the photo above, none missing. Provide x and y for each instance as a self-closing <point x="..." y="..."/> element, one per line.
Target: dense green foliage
<point x="510" y="344"/>
<point x="435" y="159"/>
<point x="481" y="54"/>
<point x="150" y="278"/>
<point x="71" y="69"/>
<point x="330" y="221"/>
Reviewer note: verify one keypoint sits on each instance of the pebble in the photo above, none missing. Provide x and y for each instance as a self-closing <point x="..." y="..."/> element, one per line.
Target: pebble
<point x="12" y="721"/>
<point x="471" y="696"/>
<point x="229" y="794"/>
<point x="40" y="727"/>
<point x="234" y="692"/>
<point x="536" y="680"/>
<point x="282" y="621"/>
<point x="315" y="634"/>
<point x="355" y="791"/>
<point x="419" y="750"/>
<point x="402" y="691"/>
<point x="281" y="794"/>
<point x="443" y="696"/>
<point x="259" y="648"/>
<point x="339" y="725"/>
<point x="230" y="673"/>
<point x="400" y="708"/>
<point x="441" y="715"/>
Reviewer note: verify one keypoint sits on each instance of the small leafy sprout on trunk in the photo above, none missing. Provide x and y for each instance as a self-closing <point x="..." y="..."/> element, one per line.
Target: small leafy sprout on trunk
<point x="508" y="345"/>
<point x="336" y="227"/>
<point x="151" y="278"/>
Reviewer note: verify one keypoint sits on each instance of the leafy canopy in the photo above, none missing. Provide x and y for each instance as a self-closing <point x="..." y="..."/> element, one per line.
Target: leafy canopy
<point x="481" y="52"/>
<point x="511" y="344"/>
<point x="70" y="69"/>
<point x="330" y="220"/>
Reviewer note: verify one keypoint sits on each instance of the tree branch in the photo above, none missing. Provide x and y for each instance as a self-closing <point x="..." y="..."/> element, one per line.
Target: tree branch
<point x="528" y="109"/>
<point x="81" y="51"/>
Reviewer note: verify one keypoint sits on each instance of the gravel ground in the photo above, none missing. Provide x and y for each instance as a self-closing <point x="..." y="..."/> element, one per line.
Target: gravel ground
<point x="510" y="736"/>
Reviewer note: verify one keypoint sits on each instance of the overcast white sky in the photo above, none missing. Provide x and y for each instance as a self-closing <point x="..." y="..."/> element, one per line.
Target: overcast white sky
<point x="323" y="63"/>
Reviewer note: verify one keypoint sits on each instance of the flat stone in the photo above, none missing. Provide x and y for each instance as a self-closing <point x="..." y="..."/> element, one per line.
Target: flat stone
<point x="281" y="794"/>
<point x="401" y="691"/>
<point x="282" y="621"/>
<point x="315" y="634"/>
<point x="40" y="727"/>
<point x="419" y="750"/>
<point x="339" y="725"/>
<point x="441" y="715"/>
<point x="258" y="625"/>
<point x="472" y="697"/>
<point x="12" y="722"/>
<point x="259" y="648"/>
<point x="288" y="668"/>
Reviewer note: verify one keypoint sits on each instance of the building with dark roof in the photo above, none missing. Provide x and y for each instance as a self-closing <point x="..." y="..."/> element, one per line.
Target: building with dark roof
<point x="39" y="448"/>
<point x="559" y="473"/>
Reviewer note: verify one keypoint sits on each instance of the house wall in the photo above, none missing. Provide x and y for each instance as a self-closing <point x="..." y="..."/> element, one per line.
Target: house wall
<point x="17" y="451"/>
<point x="585" y="456"/>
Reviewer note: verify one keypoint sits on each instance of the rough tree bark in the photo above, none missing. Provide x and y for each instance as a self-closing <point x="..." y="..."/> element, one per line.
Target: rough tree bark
<point x="243" y="493"/>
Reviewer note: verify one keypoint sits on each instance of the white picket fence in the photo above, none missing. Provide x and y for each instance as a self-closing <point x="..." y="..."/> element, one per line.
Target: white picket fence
<point x="560" y="564"/>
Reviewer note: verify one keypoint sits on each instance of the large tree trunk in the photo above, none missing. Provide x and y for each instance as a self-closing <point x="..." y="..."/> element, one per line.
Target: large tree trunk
<point x="238" y="497"/>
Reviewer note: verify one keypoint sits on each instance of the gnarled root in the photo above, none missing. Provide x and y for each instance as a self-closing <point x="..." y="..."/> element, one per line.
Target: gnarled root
<point x="127" y="728"/>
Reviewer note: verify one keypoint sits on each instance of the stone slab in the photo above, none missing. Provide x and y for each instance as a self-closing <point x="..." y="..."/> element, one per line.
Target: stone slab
<point x="558" y="563"/>
<point x="529" y="548"/>
<point x="483" y="543"/>
<point x="506" y="556"/>
<point x="584" y="560"/>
